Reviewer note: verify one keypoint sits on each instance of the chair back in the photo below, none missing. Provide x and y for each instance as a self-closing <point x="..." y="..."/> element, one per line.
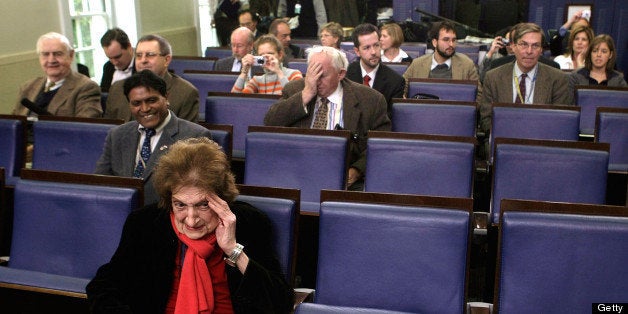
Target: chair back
<point x="217" y="52"/>
<point x="313" y="308"/>
<point x="612" y="127"/>
<point x="282" y="208"/>
<point x="69" y="224"/>
<point x="12" y="146"/>
<point x="414" y="49"/>
<point x="438" y="117"/>
<point x="305" y="159"/>
<point x="69" y="144"/>
<point x="419" y="164"/>
<point x="553" y="171"/>
<point x="461" y="90"/>
<point x="298" y="64"/>
<point x="574" y="253"/>
<point x="428" y="239"/>
<point x="399" y="67"/>
<point x="221" y="134"/>
<point x="590" y="97"/>
<point x="179" y="64"/>
<point x="543" y="122"/>
<point x="209" y="81"/>
<point x="239" y="110"/>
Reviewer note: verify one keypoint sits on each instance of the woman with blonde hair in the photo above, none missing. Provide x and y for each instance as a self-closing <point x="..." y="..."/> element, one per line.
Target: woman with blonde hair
<point x="391" y="39"/>
<point x="270" y="56"/>
<point x="579" y="40"/>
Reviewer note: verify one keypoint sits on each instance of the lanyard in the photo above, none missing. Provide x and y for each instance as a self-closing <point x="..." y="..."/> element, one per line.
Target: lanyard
<point x="528" y="91"/>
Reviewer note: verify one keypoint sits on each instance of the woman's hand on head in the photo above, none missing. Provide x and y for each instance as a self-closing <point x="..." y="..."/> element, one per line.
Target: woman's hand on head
<point x="226" y="229"/>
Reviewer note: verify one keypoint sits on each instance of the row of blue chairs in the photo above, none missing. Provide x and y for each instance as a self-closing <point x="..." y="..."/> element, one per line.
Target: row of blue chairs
<point x="48" y="258"/>
<point x="378" y="253"/>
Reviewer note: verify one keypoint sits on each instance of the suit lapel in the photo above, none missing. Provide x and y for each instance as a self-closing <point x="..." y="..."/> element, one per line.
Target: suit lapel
<point x="165" y="141"/>
<point x="349" y="103"/>
<point x="63" y="93"/>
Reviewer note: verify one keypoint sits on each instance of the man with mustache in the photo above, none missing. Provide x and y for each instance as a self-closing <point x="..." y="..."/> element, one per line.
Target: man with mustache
<point x="133" y="149"/>
<point x="369" y="70"/>
<point x="444" y="63"/>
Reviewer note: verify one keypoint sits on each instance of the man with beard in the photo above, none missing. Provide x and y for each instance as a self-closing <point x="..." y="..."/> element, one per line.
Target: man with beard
<point x="368" y="69"/>
<point x="444" y="63"/>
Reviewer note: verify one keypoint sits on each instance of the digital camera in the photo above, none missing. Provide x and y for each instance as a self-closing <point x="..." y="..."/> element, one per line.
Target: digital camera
<point x="259" y="60"/>
<point x="505" y="41"/>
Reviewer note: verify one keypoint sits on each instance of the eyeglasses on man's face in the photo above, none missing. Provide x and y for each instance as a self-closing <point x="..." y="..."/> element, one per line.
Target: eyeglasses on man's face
<point x="148" y="55"/>
<point x="525" y="46"/>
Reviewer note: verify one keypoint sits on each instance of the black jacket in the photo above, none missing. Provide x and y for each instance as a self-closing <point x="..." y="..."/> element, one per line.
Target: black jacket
<point x="139" y="276"/>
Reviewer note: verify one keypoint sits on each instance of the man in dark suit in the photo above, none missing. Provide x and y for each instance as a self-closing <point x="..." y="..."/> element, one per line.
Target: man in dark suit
<point x="369" y="70"/>
<point x="280" y="29"/>
<point x="154" y="53"/>
<point x="249" y="19"/>
<point x="241" y="44"/>
<point x="118" y="49"/>
<point x="525" y="80"/>
<point x="126" y="146"/>
<point x="326" y="99"/>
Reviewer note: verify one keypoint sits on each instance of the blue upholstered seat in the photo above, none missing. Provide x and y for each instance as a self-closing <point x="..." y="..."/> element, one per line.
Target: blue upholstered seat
<point x="590" y="97"/>
<point x="313" y="308"/>
<point x="399" y="67"/>
<point x="434" y="117"/>
<point x="408" y="257"/>
<point x="69" y="146"/>
<point x="298" y="64"/>
<point x="297" y="158"/>
<point x="217" y="52"/>
<point x="282" y="208"/>
<point x="179" y="64"/>
<point x="12" y="146"/>
<point x="548" y="171"/>
<point x="221" y="134"/>
<point x="419" y="164"/>
<point x="612" y="127"/>
<point x="560" y="257"/>
<point x="461" y="90"/>
<point x="209" y="81"/>
<point x="239" y="110"/>
<point x="541" y="122"/>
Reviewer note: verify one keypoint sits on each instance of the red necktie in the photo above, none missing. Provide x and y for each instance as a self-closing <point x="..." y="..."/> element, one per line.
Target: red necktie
<point x="367" y="80"/>
<point x="521" y="99"/>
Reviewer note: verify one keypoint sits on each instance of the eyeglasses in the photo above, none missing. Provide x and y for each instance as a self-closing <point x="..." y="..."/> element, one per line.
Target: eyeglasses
<point x="237" y="46"/>
<point x="56" y="54"/>
<point x="148" y="55"/>
<point x="181" y="207"/>
<point x="524" y="45"/>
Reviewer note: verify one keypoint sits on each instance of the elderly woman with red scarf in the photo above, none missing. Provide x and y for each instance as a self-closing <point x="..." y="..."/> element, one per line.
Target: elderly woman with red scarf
<point x="198" y="250"/>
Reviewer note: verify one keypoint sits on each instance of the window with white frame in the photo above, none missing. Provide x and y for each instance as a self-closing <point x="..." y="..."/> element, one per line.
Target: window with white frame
<point x="90" y="19"/>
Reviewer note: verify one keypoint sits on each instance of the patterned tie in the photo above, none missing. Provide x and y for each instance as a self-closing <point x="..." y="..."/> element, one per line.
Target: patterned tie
<point x="49" y="86"/>
<point x="367" y="80"/>
<point x="522" y="89"/>
<point x="144" y="154"/>
<point x="320" y="120"/>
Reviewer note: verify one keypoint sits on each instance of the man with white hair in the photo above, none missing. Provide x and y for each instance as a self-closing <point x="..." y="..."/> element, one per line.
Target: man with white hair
<point x="325" y="99"/>
<point x="61" y="91"/>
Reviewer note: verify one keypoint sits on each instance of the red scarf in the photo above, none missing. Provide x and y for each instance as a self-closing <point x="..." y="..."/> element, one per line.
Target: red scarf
<point x="203" y="287"/>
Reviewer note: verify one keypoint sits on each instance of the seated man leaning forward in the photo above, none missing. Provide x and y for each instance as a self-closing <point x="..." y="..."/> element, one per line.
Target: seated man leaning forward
<point x="133" y="149"/>
<point x="325" y="99"/>
<point x="198" y="250"/>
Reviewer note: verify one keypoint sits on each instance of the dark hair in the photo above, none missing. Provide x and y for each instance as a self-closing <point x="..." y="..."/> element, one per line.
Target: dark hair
<point x="145" y="78"/>
<point x="254" y="16"/>
<point x="198" y="162"/>
<point x="115" y="34"/>
<point x="524" y="28"/>
<point x="438" y="26"/>
<point x="273" y="26"/>
<point x="363" y="29"/>
<point x="572" y="36"/>
<point x="597" y="40"/>
<point x="164" y="46"/>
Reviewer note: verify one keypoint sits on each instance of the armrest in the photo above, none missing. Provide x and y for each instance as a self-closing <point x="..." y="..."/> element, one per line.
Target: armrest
<point x="303" y="295"/>
<point x="479" y="308"/>
<point x="480" y="223"/>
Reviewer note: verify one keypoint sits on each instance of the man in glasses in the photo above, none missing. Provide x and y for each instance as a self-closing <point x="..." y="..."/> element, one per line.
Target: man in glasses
<point x="154" y="53"/>
<point x="525" y="81"/>
<point x="61" y="91"/>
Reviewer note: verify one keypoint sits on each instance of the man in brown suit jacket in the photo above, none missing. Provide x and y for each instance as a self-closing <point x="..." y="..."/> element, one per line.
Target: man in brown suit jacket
<point x="352" y="106"/>
<point x="61" y="91"/>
